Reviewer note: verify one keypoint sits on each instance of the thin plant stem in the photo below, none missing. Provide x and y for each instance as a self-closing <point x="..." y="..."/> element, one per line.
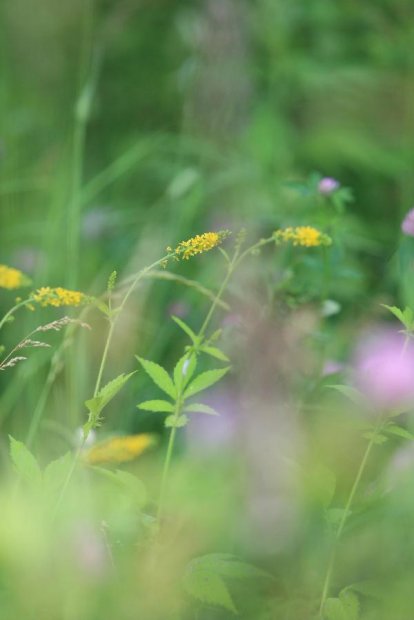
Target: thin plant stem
<point x="361" y="469"/>
<point x="12" y="310"/>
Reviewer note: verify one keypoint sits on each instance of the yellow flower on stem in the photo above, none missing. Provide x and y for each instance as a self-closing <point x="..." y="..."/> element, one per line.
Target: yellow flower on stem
<point x="12" y="278"/>
<point x="47" y="296"/>
<point x="305" y="236"/>
<point x="200" y="243"/>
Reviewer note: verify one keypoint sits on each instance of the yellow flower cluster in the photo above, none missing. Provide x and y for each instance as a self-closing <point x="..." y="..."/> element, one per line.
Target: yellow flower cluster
<point x="199" y="243"/>
<point x="305" y="236"/>
<point x="47" y="296"/>
<point x="119" y="449"/>
<point x="11" y="278"/>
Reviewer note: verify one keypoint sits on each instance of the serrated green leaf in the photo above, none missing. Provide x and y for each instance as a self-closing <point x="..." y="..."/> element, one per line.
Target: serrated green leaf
<point x="132" y="485"/>
<point x="204" y="578"/>
<point x="24" y="462"/>
<point x="396" y="312"/>
<point x="56" y="473"/>
<point x="107" y="393"/>
<point x="160" y="377"/>
<point x="350" y="392"/>
<point x="334" y="610"/>
<point x="408" y="317"/>
<point x="161" y="406"/>
<point x="350" y="604"/>
<point x="200" y="408"/>
<point x="205" y="380"/>
<point x="394" y="429"/>
<point x="228" y="565"/>
<point x="207" y="587"/>
<point x="173" y="422"/>
<point x="193" y="337"/>
<point x="184" y="370"/>
<point x="215" y="352"/>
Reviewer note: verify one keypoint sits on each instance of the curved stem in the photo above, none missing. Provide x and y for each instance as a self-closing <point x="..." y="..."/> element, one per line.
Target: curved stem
<point x="12" y="310"/>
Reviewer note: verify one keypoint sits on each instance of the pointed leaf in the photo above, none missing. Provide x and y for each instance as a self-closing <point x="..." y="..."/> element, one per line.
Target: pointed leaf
<point x="215" y="352"/>
<point x="193" y="337"/>
<point x="396" y="312"/>
<point x="200" y="408"/>
<point x="205" y="380"/>
<point x="160" y="376"/>
<point x="173" y="422"/>
<point x="24" y="462"/>
<point x="162" y="406"/>
<point x="399" y="431"/>
<point x="56" y="473"/>
<point x="107" y="393"/>
<point x="208" y="587"/>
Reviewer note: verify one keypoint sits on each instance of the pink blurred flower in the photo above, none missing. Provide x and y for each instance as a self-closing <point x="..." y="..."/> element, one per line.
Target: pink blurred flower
<point x="332" y="367"/>
<point x="384" y="367"/>
<point x="407" y="225"/>
<point x="89" y="549"/>
<point x="327" y="185"/>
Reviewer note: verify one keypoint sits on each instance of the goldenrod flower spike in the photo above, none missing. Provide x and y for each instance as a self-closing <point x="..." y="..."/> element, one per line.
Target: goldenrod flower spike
<point x="47" y="296"/>
<point x="305" y="236"/>
<point x="11" y="278"/>
<point x="200" y="243"/>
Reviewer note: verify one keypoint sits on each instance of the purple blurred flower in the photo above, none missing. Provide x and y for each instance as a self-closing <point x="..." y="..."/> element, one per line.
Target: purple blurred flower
<point x="384" y="366"/>
<point x="331" y="367"/>
<point x="208" y="433"/>
<point x="327" y="185"/>
<point x="407" y="225"/>
<point x="178" y="308"/>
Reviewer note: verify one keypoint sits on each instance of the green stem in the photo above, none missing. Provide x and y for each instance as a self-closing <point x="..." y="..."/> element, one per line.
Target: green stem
<point x="167" y="463"/>
<point x="12" y="310"/>
<point x="361" y="469"/>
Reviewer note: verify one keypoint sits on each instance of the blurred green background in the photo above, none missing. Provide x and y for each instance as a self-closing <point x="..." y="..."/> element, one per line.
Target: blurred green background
<point x="129" y="126"/>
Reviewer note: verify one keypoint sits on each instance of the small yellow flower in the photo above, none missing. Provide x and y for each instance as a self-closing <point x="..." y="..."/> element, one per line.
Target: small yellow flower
<point x="57" y="297"/>
<point x="200" y="243"/>
<point x="11" y="278"/>
<point x="305" y="236"/>
<point x="119" y="449"/>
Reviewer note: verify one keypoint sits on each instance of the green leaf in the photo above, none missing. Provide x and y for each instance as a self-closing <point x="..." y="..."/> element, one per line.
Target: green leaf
<point x="193" y="337"/>
<point x="204" y="578"/>
<point x="350" y="604"/>
<point x="396" y="312"/>
<point x="208" y="588"/>
<point x="24" y="462"/>
<point x="205" y="380"/>
<point x="376" y="438"/>
<point x="200" y="408"/>
<point x="334" y="610"/>
<point x="184" y="370"/>
<point x="399" y="431"/>
<point x="173" y="422"/>
<point x="160" y="377"/>
<point x="56" y="473"/>
<point x="350" y="392"/>
<point x="162" y="406"/>
<point x="107" y="393"/>
<point x="215" y="352"/>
